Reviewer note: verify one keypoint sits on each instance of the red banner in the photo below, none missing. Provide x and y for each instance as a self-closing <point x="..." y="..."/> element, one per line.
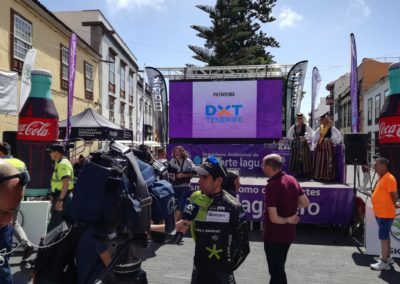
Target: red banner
<point x="37" y="129"/>
<point x="389" y="130"/>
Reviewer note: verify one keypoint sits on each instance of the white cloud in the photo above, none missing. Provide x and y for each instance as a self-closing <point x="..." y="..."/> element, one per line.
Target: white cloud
<point x="288" y="18"/>
<point x="358" y="7"/>
<point x="116" y="5"/>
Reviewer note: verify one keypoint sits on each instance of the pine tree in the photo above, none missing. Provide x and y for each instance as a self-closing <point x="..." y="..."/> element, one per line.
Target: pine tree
<point x="235" y="37"/>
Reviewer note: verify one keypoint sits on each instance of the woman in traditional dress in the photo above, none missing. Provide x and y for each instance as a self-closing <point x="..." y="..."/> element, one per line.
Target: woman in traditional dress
<point x="324" y="166"/>
<point x="300" y="135"/>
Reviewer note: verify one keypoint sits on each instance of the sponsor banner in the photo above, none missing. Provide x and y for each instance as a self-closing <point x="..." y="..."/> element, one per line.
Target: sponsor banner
<point x="246" y="159"/>
<point x="226" y="109"/>
<point x="221" y="105"/>
<point x="160" y="103"/>
<point x="71" y="81"/>
<point x="315" y="84"/>
<point x="354" y="86"/>
<point x="37" y="129"/>
<point x="294" y="91"/>
<point x="29" y="63"/>
<point x="331" y="205"/>
<point x="389" y="130"/>
<point x="372" y="242"/>
<point x="8" y="92"/>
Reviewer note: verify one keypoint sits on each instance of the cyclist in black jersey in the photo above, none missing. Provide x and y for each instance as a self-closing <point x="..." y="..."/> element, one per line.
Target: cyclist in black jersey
<point x="220" y="229"/>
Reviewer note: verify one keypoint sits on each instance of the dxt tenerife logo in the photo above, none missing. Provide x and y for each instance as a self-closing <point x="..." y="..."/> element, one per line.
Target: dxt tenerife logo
<point x="395" y="231"/>
<point x="224" y="113"/>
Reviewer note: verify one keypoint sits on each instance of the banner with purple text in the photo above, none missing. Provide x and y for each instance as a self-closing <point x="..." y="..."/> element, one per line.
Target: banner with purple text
<point x="246" y="159"/>
<point x="241" y="158"/>
<point x="331" y="205"/>
<point x="226" y="109"/>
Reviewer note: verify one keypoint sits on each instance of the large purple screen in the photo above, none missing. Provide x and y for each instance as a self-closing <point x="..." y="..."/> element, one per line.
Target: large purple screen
<point x="225" y="109"/>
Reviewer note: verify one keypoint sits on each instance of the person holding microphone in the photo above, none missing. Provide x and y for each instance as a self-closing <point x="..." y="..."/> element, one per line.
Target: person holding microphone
<point x="219" y="228"/>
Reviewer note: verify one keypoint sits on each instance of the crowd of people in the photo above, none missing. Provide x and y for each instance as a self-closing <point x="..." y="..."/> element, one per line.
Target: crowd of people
<point x="219" y="227"/>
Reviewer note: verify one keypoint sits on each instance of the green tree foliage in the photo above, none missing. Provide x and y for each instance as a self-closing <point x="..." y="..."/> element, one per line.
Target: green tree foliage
<point x="235" y="37"/>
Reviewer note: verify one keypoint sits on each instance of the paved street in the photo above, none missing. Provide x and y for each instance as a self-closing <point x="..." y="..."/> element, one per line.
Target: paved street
<point x="312" y="259"/>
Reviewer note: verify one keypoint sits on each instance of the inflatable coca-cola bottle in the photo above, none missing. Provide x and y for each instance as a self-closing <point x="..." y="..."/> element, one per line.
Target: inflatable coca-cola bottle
<point x="389" y="123"/>
<point x="37" y="129"/>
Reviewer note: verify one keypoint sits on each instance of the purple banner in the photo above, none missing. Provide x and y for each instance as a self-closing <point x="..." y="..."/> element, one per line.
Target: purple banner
<point x="328" y="204"/>
<point x="246" y="159"/>
<point x="354" y="86"/>
<point x="71" y="81"/>
<point x="181" y="112"/>
<point x="226" y="109"/>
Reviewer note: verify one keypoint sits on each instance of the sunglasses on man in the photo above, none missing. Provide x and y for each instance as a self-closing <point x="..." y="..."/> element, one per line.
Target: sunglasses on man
<point x="21" y="176"/>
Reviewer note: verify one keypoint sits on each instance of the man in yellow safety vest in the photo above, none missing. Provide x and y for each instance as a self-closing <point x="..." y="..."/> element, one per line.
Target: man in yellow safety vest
<point x="62" y="184"/>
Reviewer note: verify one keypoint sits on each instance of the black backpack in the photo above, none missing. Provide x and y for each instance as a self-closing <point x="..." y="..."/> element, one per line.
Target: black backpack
<point x="55" y="264"/>
<point x="111" y="193"/>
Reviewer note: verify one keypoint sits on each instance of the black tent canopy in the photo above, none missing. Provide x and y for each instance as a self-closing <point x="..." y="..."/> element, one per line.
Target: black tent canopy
<point x="89" y="125"/>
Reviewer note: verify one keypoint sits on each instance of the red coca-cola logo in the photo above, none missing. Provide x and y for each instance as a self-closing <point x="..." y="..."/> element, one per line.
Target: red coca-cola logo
<point x="389" y="130"/>
<point x="37" y="129"/>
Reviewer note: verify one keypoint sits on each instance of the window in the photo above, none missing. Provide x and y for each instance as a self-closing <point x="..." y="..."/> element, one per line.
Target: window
<point x="88" y="81"/>
<point x="111" y="108"/>
<point x="344" y="115"/>
<point x="377" y="107"/>
<point x="386" y="93"/>
<point x="130" y="117"/>
<point x="64" y="54"/>
<point x="21" y="39"/>
<point x="370" y="111"/>
<point x="122" y="113"/>
<point x="130" y="86"/>
<point x="122" y="79"/>
<point x="349" y="114"/>
<point x="376" y="144"/>
<point x="111" y="73"/>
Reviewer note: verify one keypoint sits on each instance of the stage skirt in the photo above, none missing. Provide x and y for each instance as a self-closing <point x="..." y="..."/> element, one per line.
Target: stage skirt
<point x="324" y="161"/>
<point x="300" y="158"/>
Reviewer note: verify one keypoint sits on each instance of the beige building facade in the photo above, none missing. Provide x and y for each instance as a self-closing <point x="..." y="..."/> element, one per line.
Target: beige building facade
<point x="26" y="24"/>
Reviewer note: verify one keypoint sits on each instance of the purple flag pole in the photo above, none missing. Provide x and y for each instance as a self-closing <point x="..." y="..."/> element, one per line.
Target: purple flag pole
<point x="354" y="86"/>
<point x="71" y="81"/>
<point x="315" y="84"/>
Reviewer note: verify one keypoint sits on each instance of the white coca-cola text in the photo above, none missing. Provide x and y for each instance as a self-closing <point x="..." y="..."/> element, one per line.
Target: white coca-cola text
<point x="389" y="130"/>
<point x="35" y="128"/>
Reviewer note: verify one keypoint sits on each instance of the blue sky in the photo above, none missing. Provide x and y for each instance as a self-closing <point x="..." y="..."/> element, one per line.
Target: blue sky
<point x="158" y="31"/>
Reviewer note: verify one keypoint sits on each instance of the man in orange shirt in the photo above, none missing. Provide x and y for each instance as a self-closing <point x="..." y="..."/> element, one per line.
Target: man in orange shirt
<point x="384" y="198"/>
